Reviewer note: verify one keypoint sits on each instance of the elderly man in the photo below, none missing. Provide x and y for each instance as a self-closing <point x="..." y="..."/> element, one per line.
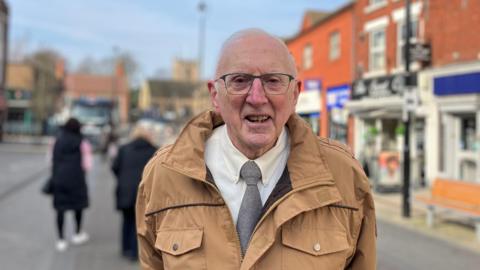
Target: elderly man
<point x="249" y="186"/>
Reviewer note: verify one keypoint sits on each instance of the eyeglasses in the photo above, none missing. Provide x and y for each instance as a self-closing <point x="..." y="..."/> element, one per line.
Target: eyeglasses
<point x="240" y="83"/>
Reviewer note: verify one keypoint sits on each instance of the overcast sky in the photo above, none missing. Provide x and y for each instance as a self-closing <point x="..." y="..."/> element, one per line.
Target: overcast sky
<point x="154" y="31"/>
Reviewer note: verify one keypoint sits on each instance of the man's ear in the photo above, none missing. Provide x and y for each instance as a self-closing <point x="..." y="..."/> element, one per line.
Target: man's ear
<point x="296" y="91"/>
<point x="213" y="94"/>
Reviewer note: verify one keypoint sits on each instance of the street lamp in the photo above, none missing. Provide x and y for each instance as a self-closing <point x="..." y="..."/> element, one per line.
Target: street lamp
<point x="407" y="118"/>
<point x="202" y="7"/>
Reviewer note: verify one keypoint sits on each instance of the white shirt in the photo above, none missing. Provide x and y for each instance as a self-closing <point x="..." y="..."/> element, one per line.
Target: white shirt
<point x="224" y="161"/>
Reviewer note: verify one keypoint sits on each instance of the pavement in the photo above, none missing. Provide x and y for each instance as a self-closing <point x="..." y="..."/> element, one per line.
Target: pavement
<point x="454" y="229"/>
<point x="27" y="230"/>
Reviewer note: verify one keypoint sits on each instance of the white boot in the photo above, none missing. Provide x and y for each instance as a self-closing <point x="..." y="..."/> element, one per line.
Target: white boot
<point x="80" y="238"/>
<point x="61" y="245"/>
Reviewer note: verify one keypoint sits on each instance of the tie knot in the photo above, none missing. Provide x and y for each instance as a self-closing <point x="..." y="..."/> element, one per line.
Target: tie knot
<point x="250" y="173"/>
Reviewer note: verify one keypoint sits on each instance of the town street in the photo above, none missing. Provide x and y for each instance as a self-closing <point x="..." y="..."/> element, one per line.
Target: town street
<point x="27" y="232"/>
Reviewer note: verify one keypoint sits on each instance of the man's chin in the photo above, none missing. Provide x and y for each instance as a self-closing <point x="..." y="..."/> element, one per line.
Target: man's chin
<point x="260" y="142"/>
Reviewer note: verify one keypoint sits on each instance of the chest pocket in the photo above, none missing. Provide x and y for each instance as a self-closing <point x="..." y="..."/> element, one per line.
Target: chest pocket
<point x="314" y="249"/>
<point x="181" y="248"/>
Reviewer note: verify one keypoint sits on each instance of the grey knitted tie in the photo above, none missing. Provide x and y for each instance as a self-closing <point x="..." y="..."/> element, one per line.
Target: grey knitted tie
<point x="251" y="206"/>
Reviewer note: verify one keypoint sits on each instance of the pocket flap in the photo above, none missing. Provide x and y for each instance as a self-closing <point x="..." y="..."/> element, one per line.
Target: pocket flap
<point x="315" y="241"/>
<point x="179" y="241"/>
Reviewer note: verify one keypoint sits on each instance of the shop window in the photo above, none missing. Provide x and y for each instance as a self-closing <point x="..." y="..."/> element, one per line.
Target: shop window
<point x="377" y="49"/>
<point x="307" y="57"/>
<point x="468" y="169"/>
<point x="441" y="146"/>
<point x="389" y="134"/>
<point x="338" y="124"/>
<point x="468" y="132"/>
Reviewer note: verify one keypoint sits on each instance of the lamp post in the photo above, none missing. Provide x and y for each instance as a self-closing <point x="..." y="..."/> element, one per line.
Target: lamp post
<point x="202" y="7"/>
<point x="407" y="118"/>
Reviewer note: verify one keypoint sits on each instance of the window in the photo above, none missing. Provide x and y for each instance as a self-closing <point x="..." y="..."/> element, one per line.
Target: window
<point x="468" y="131"/>
<point x="401" y="36"/>
<point x="374" y="5"/>
<point x="307" y="56"/>
<point x="334" y="45"/>
<point x="377" y="50"/>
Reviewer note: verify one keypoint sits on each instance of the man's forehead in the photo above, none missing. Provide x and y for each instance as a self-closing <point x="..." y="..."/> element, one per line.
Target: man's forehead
<point x="252" y="40"/>
<point x="237" y="52"/>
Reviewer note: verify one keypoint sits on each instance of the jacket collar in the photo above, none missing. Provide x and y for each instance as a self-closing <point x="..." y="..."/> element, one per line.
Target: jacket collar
<point x="306" y="163"/>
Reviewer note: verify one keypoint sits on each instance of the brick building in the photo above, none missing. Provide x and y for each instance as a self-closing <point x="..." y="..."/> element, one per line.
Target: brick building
<point x="445" y="138"/>
<point x="376" y="103"/>
<point x="322" y="51"/>
<point x="108" y="87"/>
<point x="451" y="86"/>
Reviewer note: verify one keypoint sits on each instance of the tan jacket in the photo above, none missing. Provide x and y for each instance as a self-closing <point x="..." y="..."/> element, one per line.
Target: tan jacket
<point x="321" y="218"/>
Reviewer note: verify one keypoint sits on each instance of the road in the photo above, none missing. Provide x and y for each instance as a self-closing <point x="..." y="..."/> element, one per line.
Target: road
<point x="27" y="233"/>
<point x="400" y="249"/>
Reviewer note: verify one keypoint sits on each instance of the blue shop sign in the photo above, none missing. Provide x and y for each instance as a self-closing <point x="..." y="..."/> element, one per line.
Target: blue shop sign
<point x="457" y="84"/>
<point x="338" y="96"/>
<point x="312" y="85"/>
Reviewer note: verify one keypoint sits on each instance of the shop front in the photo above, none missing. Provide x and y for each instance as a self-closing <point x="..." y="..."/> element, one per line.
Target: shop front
<point x="309" y="103"/>
<point x="377" y="107"/>
<point x="337" y="96"/>
<point x="454" y="133"/>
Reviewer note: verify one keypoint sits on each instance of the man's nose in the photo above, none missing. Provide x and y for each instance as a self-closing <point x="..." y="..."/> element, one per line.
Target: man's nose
<point x="257" y="94"/>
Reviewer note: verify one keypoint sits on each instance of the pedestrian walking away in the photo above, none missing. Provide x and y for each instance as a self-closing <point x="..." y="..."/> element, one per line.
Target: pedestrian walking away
<point x="71" y="159"/>
<point x="127" y="167"/>
<point x="248" y="185"/>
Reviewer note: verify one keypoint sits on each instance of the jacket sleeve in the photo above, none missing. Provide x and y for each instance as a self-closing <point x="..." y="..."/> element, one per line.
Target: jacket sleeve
<point x="365" y="257"/>
<point x="87" y="157"/>
<point x="149" y="258"/>
<point x="116" y="162"/>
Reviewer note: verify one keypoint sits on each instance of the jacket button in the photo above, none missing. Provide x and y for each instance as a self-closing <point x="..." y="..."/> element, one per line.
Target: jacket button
<point x="175" y="247"/>
<point x="316" y="247"/>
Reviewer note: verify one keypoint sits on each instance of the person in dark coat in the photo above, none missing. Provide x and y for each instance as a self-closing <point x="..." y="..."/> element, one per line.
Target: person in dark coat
<point x="70" y="159"/>
<point x="128" y="167"/>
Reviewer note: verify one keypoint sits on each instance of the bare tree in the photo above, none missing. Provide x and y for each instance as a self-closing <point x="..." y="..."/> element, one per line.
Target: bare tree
<point x="107" y="65"/>
<point x="47" y="87"/>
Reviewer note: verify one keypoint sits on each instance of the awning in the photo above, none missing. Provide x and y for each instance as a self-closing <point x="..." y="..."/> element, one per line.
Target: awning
<point x="388" y="107"/>
<point x="367" y="104"/>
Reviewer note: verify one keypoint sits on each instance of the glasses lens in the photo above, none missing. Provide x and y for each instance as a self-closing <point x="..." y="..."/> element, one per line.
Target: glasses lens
<point x="238" y="83"/>
<point x="275" y="83"/>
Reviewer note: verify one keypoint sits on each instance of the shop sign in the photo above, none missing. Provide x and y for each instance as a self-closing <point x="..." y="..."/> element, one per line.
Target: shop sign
<point x="337" y="96"/>
<point x="468" y="83"/>
<point x="312" y="85"/>
<point x="379" y="87"/>
<point x="419" y="52"/>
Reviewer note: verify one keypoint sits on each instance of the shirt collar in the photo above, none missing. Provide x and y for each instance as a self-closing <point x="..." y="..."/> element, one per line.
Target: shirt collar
<point x="234" y="159"/>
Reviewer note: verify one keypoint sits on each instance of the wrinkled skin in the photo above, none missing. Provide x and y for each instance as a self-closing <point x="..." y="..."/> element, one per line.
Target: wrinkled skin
<point x="254" y="53"/>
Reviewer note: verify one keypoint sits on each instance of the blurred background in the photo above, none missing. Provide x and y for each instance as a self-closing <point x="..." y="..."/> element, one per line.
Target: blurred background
<point x="398" y="81"/>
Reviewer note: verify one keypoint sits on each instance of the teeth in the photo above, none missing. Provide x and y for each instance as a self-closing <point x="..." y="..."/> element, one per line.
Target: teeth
<point x="257" y="118"/>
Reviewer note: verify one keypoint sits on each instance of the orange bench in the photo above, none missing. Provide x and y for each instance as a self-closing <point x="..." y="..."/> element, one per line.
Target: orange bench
<point x="458" y="196"/>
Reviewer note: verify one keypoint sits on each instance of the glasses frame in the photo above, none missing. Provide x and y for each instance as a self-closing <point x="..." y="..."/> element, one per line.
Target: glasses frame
<point x="290" y="79"/>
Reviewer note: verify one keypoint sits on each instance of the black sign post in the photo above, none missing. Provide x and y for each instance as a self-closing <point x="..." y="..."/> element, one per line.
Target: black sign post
<point x="406" y="146"/>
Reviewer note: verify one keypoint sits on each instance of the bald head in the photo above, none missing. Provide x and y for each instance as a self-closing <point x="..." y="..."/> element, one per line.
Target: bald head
<point x="253" y="41"/>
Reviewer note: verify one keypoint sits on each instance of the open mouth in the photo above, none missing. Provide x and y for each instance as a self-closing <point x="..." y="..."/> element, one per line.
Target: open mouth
<point x="257" y="118"/>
